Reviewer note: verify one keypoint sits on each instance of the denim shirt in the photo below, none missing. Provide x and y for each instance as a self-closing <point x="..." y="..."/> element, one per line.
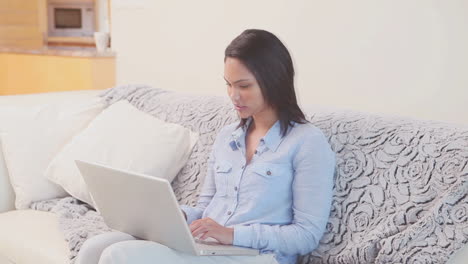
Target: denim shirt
<point x="280" y="202"/>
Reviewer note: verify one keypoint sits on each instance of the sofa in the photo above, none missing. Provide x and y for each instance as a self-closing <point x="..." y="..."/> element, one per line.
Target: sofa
<point x="400" y="195"/>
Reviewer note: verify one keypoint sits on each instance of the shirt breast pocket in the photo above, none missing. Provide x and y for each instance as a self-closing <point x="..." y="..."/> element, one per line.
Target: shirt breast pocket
<point x="222" y="171"/>
<point x="267" y="172"/>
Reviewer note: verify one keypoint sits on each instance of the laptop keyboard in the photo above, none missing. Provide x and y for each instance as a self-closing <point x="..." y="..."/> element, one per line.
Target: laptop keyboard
<point x="211" y="243"/>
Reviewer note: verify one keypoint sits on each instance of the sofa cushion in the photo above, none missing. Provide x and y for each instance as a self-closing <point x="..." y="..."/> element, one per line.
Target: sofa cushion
<point x="7" y="195"/>
<point x="27" y="103"/>
<point x="125" y="138"/>
<point x="29" y="236"/>
<point x="53" y="125"/>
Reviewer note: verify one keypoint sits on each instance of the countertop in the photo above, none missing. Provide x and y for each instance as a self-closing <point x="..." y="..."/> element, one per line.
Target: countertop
<point x="60" y="51"/>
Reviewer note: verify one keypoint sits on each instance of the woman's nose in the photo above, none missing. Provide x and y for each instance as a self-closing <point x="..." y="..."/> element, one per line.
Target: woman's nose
<point x="234" y="94"/>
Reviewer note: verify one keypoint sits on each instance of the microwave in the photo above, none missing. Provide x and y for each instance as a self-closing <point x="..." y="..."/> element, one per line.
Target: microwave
<point x="71" y="19"/>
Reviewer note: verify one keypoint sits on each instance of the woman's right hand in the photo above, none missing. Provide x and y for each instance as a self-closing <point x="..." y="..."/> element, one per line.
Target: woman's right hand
<point x="207" y="227"/>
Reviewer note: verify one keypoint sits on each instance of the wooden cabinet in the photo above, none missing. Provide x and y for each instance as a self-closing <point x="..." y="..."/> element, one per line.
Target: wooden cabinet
<point x="50" y="71"/>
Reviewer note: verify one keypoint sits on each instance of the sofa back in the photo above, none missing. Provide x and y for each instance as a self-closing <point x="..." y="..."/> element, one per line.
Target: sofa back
<point x="392" y="175"/>
<point x="399" y="182"/>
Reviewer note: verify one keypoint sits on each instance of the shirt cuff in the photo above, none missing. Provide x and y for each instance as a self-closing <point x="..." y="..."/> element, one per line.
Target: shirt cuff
<point x="192" y="213"/>
<point x="243" y="236"/>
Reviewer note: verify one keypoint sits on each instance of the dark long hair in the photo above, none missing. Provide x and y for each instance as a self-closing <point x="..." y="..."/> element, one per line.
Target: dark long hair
<point x="269" y="61"/>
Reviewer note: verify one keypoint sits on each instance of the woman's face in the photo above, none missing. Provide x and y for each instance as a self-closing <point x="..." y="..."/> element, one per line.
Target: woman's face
<point x="243" y="89"/>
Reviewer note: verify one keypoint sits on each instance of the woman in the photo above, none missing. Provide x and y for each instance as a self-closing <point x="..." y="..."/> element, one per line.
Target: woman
<point x="270" y="177"/>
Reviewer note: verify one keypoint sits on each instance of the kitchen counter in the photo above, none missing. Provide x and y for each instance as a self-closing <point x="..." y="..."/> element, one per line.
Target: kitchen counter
<point x="61" y="51"/>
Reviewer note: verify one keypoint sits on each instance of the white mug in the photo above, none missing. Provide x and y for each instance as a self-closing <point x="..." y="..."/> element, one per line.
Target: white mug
<point x="102" y="41"/>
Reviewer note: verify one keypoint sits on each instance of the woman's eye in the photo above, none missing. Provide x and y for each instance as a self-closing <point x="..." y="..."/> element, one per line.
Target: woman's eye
<point x="244" y="86"/>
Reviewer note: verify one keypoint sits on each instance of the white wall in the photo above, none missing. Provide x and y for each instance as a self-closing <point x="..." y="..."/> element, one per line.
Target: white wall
<point x="399" y="57"/>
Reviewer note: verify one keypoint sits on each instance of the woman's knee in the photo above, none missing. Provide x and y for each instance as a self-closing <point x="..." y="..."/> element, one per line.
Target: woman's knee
<point x="139" y="251"/>
<point x="92" y="248"/>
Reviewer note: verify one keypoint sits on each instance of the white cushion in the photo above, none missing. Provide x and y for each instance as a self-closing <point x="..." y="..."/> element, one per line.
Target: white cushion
<point x="13" y="109"/>
<point x="7" y="195"/>
<point x="10" y="116"/>
<point x="125" y="138"/>
<point x="29" y="236"/>
<point x="30" y="144"/>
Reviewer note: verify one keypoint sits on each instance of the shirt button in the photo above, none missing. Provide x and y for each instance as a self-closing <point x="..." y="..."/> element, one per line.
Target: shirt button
<point x="229" y="212"/>
<point x="268" y="172"/>
<point x="255" y="152"/>
<point x="243" y="166"/>
<point x="235" y="188"/>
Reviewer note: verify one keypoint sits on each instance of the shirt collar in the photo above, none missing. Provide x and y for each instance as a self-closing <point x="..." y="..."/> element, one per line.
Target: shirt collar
<point x="272" y="139"/>
<point x="240" y="131"/>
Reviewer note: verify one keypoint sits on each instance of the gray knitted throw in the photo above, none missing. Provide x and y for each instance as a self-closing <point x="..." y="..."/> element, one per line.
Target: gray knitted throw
<point x="77" y="220"/>
<point x="401" y="185"/>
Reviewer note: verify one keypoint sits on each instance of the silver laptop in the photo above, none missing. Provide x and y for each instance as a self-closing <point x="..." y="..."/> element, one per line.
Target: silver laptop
<point x="146" y="207"/>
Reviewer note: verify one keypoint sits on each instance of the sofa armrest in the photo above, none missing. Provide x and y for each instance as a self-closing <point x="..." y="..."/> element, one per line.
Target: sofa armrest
<point x="7" y="196"/>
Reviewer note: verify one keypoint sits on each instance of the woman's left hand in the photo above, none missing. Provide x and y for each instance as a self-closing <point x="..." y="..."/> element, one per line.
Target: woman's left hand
<point x="209" y="228"/>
